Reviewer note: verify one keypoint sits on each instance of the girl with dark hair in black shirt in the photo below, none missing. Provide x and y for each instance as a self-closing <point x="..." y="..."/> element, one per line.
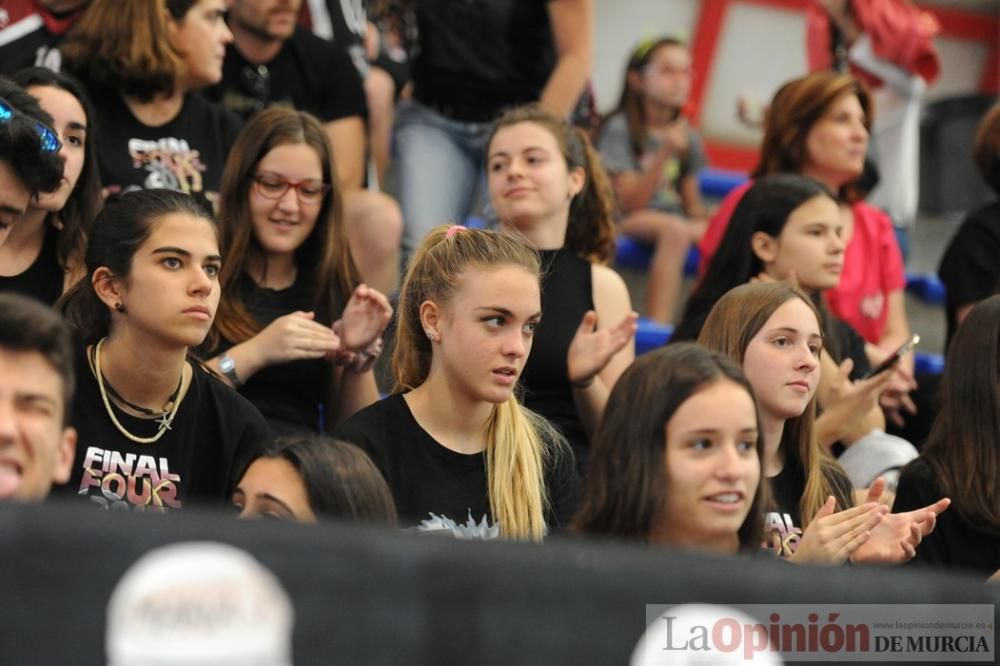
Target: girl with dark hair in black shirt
<point x="546" y="182"/>
<point x="157" y="431"/>
<point x="43" y="254"/>
<point x="961" y="458"/>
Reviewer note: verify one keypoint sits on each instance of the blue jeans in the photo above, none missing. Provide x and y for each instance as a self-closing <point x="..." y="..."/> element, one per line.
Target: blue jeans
<point x="903" y="240"/>
<point x="438" y="165"/>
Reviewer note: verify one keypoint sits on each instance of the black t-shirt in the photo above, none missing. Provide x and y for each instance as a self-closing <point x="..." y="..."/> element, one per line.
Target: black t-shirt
<point x="186" y="154"/>
<point x="783" y="521"/>
<point x="970" y="266"/>
<point x="292" y="396"/>
<point x="309" y="74"/>
<point x="476" y="58"/>
<point x="435" y="488"/>
<point x="955" y="543"/>
<point x="214" y="435"/>
<point x="567" y="293"/>
<point x="43" y="279"/>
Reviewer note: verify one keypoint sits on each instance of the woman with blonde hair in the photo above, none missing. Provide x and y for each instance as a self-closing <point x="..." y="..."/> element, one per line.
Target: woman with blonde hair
<point x="458" y="450"/>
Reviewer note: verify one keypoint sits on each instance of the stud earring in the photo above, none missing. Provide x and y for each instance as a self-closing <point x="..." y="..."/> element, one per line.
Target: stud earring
<point x="119" y="307"/>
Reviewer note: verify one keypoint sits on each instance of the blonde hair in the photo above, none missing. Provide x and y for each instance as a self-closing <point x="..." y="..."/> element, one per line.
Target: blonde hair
<point x="734" y="321"/>
<point x="519" y="442"/>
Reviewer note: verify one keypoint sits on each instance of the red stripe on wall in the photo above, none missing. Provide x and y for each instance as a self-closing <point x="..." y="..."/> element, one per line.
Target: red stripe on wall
<point x="703" y="49"/>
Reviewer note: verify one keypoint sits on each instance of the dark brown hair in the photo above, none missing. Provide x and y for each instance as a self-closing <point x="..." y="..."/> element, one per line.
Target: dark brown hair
<point x="630" y="103"/>
<point x="28" y="326"/>
<point x="625" y="488"/>
<point x="591" y="229"/>
<point x="340" y="480"/>
<point x="963" y="448"/>
<point x="86" y="200"/>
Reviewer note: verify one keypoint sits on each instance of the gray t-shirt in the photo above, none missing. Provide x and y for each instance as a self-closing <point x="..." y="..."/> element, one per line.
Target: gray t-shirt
<point x="617" y="156"/>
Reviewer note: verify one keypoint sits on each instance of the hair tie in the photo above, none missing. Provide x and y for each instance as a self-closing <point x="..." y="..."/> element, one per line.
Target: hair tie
<point x="454" y="230"/>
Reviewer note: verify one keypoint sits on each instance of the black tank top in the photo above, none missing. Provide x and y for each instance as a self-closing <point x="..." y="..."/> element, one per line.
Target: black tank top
<point x="43" y="279"/>
<point x="567" y="293"/>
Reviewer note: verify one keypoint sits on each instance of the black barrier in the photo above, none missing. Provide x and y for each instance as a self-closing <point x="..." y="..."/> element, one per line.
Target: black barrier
<point x="370" y="596"/>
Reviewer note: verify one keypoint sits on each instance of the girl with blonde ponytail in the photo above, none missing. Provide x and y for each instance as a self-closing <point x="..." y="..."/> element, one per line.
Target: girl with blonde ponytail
<point x="546" y="181"/>
<point x="458" y="450"/>
<point x="772" y="330"/>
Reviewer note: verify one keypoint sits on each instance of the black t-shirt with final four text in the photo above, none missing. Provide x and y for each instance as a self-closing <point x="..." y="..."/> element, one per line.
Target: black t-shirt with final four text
<point x="213" y="436"/>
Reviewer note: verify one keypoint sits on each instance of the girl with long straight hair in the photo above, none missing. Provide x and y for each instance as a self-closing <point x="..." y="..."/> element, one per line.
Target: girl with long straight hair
<point x="788" y="226"/>
<point x="670" y="468"/>
<point x="772" y="330"/>
<point x="654" y="157"/>
<point x="458" y="450"/>
<point x="297" y="332"/>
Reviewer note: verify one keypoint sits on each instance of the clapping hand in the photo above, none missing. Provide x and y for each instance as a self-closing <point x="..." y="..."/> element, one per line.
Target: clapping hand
<point x="591" y="348"/>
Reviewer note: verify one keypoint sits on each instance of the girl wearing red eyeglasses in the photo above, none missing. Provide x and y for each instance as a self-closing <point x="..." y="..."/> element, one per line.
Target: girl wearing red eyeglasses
<point x="296" y="332"/>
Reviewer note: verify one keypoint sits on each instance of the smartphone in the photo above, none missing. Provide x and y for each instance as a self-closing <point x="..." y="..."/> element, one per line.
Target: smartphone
<point x="893" y="358"/>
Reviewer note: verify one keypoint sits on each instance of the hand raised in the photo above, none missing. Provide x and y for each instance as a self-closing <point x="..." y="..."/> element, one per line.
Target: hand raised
<point x="364" y="319"/>
<point x="591" y="349"/>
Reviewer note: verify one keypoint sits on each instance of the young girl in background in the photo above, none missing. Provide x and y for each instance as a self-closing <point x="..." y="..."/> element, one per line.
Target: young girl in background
<point x="458" y="450"/>
<point x="43" y="255"/>
<point x="654" y="157"/>
<point x="546" y="183"/>
<point x="668" y="467"/>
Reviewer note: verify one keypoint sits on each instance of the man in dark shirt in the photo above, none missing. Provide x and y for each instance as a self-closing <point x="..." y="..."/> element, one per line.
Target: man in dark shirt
<point x="272" y="61"/>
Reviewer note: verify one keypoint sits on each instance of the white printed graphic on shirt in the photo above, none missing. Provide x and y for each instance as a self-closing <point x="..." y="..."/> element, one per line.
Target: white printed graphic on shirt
<point x="482" y="530"/>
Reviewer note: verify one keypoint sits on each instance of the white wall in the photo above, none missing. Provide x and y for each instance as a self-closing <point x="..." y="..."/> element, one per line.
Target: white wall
<point x="621" y="24"/>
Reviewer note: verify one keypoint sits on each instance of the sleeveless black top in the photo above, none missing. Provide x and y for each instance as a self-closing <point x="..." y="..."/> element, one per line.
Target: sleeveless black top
<point x="567" y="293"/>
<point x="43" y="280"/>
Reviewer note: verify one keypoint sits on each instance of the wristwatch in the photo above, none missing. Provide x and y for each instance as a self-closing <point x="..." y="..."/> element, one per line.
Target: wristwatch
<point x="228" y="367"/>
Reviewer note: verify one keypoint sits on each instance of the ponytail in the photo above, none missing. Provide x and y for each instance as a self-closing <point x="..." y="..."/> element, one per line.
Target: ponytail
<point x="591" y="229"/>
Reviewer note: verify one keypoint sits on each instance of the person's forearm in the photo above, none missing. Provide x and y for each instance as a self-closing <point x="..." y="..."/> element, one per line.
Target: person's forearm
<point x="246" y="357"/>
<point x="635" y="188"/>
<point x="566" y="84"/>
<point x="357" y="391"/>
<point x="590" y="403"/>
